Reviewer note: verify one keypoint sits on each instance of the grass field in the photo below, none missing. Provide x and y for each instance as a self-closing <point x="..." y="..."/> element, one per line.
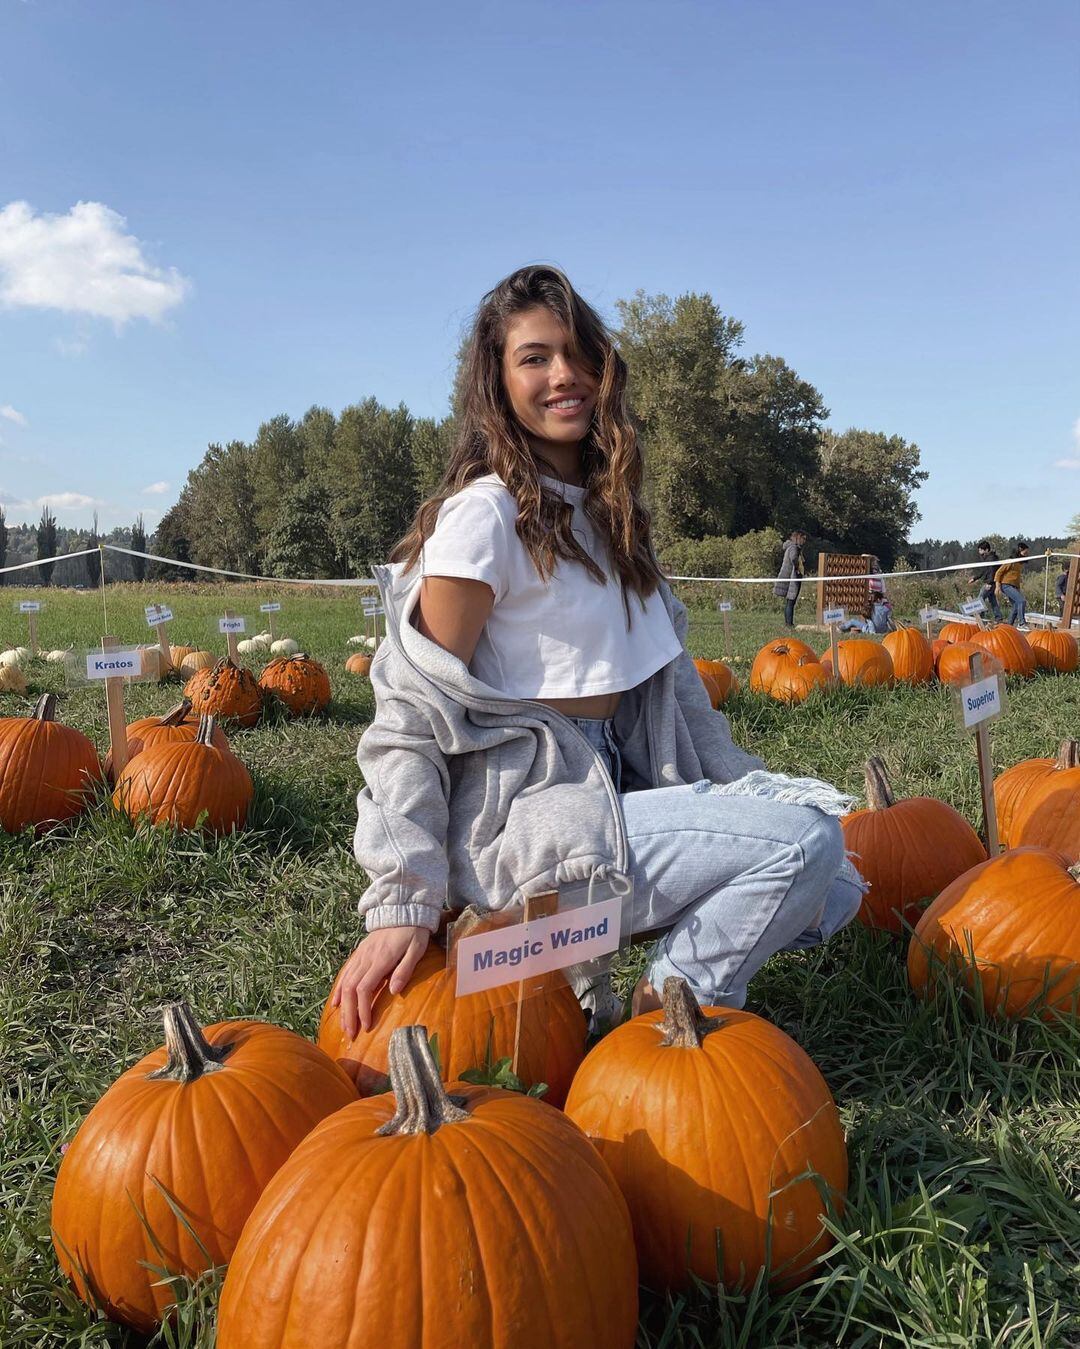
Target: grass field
<point x="963" y="1225"/>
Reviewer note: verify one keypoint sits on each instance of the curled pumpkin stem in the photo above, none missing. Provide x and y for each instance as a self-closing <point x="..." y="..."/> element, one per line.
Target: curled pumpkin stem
<point x="422" y="1103"/>
<point x="684" y="1025"/>
<point x="190" y="1053"/>
<point x="45" y="708"/>
<point x="879" y="792"/>
<point x="1068" y="755"/>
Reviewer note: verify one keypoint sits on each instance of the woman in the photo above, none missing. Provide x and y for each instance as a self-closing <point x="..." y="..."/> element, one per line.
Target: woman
<point x="539" y="724"/>
<point x="1009" y="578"/>
<point x="789" y="582"/>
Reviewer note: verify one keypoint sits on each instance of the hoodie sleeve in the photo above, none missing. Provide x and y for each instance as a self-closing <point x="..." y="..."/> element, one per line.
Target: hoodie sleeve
<point x="721" y="759"/>
<point x="402" y="813"/>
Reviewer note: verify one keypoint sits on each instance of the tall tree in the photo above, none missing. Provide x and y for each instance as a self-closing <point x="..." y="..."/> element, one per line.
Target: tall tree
<point x="138" y="543"/>
<point x="375" y="494"/>
<point x="93" y="560"/>
<point x="862" y="497"/>
<point x="172" y="540"/>
<point x="275" y="464"/>
<point x="299" y="543"/>
<point x="429" y="448"/>
<point x="46" y="544"/>
<point x="3" y="545"/>
<point x="219" y="509"/>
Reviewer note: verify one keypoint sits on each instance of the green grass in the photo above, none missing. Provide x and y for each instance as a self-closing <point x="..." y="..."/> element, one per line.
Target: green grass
<point x="963" y="1223"/>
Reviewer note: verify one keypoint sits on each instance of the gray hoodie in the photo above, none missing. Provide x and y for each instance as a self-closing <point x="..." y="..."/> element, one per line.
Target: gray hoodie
<point x="473" y="797"/>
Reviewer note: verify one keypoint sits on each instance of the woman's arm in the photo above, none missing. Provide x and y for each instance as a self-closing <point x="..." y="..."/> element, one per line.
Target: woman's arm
<point x="452" y="612"/>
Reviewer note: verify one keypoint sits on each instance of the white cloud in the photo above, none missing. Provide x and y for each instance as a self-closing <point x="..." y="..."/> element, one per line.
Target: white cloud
<point x="82" y="262"/>
<point x="11" y="414"/>
<point x="68" y="501"/>
<point x="156" y="488"/>
<point x="1067" y="463"/>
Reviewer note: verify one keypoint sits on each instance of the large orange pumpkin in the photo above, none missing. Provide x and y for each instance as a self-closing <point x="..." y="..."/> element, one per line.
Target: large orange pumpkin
<point x="797" y="680"/>
<point x="550" y="1037"/>
<point x="908" y="850"/>
<point x="226" y="692"/>
<point x="912" y="655"/>
<point x="189" y="784"/>
<point x="1047" y="813"/>
<point x="176" y="724"/>
<point x="1013" y="784"/>
<point x="421" y="1221"/>
<point x="1054" y="649"/>
<point x="1008" y="647"/>
<point x="958" y="632"/>
<point x="1018" y="915"/>
<point x="712" y="689"/>
<point x="358" y="664"/>
<point x="862" y="661"/>
<point x="710" y="1123"/>
<point x="300" y="682"/>
<point x="775" y="657"/>
<point x="721" y="675"/>
<point x="165" y="1169"/>
<point x="48" y="772"/>
<point x="954" y="663"/>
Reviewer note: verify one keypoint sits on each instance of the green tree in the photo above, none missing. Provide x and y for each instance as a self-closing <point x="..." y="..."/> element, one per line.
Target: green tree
<point x="46" y="544"/>
<point x="861" y="499"/>
<point x="300" y="543"/>
<point x="93" y="560"/>
<point x="1072" y="529"/>
<point x="375" y="494"/>
<point x="429" y="448"/>
<point x="219" y="509"/>
<point x="138" y="543"/>
<point x="275" y="464"/>
<point x="172" y="540"/>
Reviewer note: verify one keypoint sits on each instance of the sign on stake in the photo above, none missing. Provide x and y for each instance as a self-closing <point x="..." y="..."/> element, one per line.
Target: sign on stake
<point x="834" y="617"/>
<point x="230" y="625"/>
<point x="159" y="616"/>
<point x="927" y="617"/>
<point x="270" y="610"/>
<point x="983" y="701"/>
<point x="725" y="607"/>
<point x="31" y="608"/>
<point x="113" y="672"/>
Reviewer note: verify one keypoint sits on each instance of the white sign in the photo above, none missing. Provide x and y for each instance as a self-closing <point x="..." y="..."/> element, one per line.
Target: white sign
<point x="927" y="615"/>
<point x="29" y="606"/>
<point x="156" y="614"/>
<point x="523" y="950"/>
<point x="832" y="616"/>
<point x="230" y="625"/>
<point x="269" y="608"/>
<point x="973" y="606"/>
<point x="113" y="664"/>
<point x="726" y="606"/>
<point x="981" y="701"/>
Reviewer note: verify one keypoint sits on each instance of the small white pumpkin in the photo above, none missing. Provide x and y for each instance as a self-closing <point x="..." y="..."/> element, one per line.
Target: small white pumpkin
<point x="12" y="679"/>
<point x="15" y="656"/>
<point x="356" y="641"/>
<point x="285" y="646"/>
<point x="370" y="643"/>
<point x="249" y="647"/>
<point x="56" y="657"/>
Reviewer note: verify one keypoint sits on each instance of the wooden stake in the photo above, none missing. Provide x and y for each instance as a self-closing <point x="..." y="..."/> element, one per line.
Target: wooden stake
<point x="727" y="634"/>
<point x="230" y="640"/>
<point x="986" y="770"/>
<point x="270" y="616"/>
<point x="114" y="701"/>
<point x="540" y="906"/>
<point x="821" y="587"/>
<point x="166" y="650"/>
<point x="32" y="617"/>
<point x="834" y="648"/>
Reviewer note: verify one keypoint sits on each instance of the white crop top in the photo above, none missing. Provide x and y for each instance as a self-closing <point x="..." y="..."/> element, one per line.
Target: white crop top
<point x="564" y="638"/>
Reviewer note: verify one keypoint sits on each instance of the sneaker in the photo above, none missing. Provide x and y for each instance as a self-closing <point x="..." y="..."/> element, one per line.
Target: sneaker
<point x="1022" y="627"/>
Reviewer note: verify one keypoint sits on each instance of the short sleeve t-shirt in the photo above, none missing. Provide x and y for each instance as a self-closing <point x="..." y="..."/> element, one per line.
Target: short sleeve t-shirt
<point x="567" y="637"/>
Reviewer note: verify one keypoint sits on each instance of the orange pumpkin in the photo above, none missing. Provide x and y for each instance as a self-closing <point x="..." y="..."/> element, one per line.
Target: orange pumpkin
<point x="710" y="1123"/>
<point x="1047" y="813"/>
<point x="167" y="1166"/>
<point x="178" y="654"/>
<point x="798" y="681"/>
<point x="227" y="692"/>
<point x="176" y="724"/>
<point x="550" y="1039"/>
<point x="1013" y="784"/>
<point x="721" y="674"/>
<point x="862" y="661"/>
<point x="358" y="664"/>
<point x="1019" y="916"/>
<point x="420" y="1220"/>
<point x="712" y="690"/>
<point x="1008" y="647"/>
<point x="189" y="784"/>
<point x="48" y="772"/>
<point x="954" y="663"/>
<point x="299" y="682"/>
<point x="937" y="646"/>
<point x="912" y="655"/>
<point x="775" y="657"/>
<point x="908" y="850"/>
<point x="958" y="632"/>
<point x="1054" y="649"/>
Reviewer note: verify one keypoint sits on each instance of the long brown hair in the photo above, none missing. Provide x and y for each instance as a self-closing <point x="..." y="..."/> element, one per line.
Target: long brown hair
<point x="491" y="440"/>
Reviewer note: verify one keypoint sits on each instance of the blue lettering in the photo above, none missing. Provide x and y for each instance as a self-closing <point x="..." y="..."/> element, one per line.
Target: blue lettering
<point x="560" y="938"/>
<point x="481" y="960"/>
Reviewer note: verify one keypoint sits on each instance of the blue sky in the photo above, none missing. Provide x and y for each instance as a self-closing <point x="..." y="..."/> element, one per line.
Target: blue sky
<point x="301" y="203"/>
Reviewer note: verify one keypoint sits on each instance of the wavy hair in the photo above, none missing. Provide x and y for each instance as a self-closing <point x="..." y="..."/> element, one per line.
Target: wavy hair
<point x="491" y="440"/>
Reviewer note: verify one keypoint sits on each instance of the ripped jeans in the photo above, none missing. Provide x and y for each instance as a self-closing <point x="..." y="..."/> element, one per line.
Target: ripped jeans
<point x="727" y="881"/>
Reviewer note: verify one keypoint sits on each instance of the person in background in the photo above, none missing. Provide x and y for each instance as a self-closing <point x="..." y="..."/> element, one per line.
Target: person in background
<point x="1061" y="581"/>
<point x="983" y="577"/>
<point x="789" y="582"/>
<point x="1009" y="578"/>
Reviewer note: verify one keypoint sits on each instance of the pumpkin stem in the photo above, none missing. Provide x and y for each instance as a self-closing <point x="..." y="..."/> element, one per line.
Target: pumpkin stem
<point x="45" y="709"/>
<point x="1068" y="755"/>
<point x="684" y="1025"/>
<point x="207" y="726"/>
<point x="422" y="1103"/>
<point x="190" y="1053"/>
<point x="879" y="792"/>
<point x="177" y="714"/>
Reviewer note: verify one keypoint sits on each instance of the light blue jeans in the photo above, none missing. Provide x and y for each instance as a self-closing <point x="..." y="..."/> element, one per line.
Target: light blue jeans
<point x="727" y="880"/>
<point x="1016" y="598"/>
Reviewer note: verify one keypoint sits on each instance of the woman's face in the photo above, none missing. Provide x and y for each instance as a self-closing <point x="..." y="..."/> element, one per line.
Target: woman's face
<point x="552" y="394"/>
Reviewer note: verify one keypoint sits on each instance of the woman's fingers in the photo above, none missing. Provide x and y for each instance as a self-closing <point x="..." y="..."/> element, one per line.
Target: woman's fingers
<point x="409" y="961"/>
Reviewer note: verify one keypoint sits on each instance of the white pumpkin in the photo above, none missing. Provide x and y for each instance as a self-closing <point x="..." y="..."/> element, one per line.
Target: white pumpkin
<point x="15" y="656"/>
<point x="249" y="647"/>
<point x="356" y="641"/>
<point x="56" y="657"/>
<point x="370" y="643"/>
<point x="285" y="646"/>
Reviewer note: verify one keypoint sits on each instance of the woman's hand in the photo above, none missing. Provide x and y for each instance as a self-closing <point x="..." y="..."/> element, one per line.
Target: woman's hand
<point x="389" y="952"/>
